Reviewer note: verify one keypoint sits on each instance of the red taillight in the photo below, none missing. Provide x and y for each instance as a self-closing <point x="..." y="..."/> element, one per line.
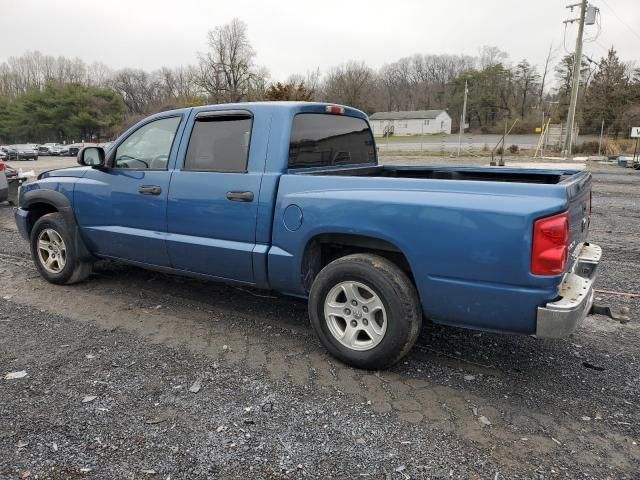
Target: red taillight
<point x="1" y="166"/>
<point x="335" y="109"/>
<point x="550" y="245"/>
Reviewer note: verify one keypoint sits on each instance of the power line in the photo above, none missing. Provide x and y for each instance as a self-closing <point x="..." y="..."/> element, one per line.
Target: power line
<point x="564" y="40"/>
<point x="606" y="49"/>
<point x="621" y="20"/>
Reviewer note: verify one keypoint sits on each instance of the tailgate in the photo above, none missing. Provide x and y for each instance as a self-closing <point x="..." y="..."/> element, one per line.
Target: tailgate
<point x="579" y="197"/>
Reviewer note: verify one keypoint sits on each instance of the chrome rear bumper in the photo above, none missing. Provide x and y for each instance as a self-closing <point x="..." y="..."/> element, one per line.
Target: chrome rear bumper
<point x="560" y="318"/>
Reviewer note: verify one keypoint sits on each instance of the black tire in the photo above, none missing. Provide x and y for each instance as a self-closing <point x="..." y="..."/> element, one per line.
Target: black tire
<point x="395" y="290"/>
<point x="75" y="270"/>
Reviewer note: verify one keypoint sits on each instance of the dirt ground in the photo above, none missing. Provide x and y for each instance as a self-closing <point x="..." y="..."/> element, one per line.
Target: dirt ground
<point x="134" y="374"/>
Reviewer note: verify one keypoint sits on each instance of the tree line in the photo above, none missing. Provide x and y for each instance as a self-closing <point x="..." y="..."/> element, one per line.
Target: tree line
<point x="45" y="98"/>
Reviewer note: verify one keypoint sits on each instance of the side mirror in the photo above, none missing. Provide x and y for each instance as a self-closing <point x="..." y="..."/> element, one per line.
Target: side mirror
<point x="91" y="157"/>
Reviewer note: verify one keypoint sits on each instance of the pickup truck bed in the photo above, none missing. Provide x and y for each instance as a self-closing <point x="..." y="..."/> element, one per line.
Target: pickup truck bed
<point x="468" y="241"/>
<point x="488" y="174"/>
<point x="289" y="196"/>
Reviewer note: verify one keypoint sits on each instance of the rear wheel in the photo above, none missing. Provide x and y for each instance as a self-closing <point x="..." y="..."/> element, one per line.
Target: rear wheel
<point x="365" y="310"/>
<point x="54" y="253"/>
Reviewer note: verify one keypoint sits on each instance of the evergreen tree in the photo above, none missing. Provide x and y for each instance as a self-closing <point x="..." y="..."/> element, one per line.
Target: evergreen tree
<point x="62" y="113"/>
<point x="288" y="91"/>
<point x="564" y="73"/>
<point x="608" y="94"/>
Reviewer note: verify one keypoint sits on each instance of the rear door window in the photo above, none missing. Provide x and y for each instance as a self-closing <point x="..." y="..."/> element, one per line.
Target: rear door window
<point x="323" y="140"/>
<point x="219" y="144"/>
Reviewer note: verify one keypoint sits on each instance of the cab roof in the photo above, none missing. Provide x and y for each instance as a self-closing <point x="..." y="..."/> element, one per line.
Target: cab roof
<point x="292" y="106"/>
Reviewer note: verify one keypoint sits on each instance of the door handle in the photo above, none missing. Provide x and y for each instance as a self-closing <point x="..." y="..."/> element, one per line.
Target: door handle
<point x="150" y="190"/>
<point x="240" y="196"/>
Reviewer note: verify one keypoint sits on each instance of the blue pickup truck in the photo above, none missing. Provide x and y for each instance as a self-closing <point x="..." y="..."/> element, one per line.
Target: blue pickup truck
<point x="289" y="196"/>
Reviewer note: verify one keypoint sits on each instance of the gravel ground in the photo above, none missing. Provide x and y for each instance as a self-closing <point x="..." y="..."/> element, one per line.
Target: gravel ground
<point x="135" y="374"/>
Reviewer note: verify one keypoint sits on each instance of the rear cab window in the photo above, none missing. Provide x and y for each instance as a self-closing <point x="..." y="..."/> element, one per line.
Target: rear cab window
<point x="327" y="140"/>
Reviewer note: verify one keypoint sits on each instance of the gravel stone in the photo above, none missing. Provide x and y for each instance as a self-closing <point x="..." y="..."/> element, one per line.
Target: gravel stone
<point x="423" y="415"/>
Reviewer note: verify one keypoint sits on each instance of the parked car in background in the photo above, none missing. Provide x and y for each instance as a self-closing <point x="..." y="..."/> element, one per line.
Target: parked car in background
<point x="44" y="148"/>
<point x="74" y="148"/>
<point x="21" y="152"/>
<point x="10" y="176"/>
<point x="3" y="154"/>
<point x="4" y="184"/>
<point x="50" y="149"/>
<point x="64" y="150"/>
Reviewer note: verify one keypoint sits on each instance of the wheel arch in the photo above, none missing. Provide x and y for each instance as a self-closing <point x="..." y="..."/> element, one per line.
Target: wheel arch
<point x="323" y="248"/>
<point x="41" y="202"/>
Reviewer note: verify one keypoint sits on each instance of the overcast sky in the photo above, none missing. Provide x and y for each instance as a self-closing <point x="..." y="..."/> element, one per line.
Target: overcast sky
<point x="300" y="35"/>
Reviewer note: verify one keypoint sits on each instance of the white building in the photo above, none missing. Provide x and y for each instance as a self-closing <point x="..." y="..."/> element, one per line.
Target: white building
<point x="419" y="122"/>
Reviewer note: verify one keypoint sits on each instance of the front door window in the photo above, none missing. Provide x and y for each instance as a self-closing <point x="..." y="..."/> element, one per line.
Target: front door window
<point x="148" y="147"/>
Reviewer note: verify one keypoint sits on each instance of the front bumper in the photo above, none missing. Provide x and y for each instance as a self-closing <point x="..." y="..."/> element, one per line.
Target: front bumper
<point x="560" y="318"/>
<point x="22" y="222"/>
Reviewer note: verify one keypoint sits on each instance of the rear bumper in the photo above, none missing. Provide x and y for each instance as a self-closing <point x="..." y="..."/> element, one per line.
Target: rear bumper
<point x="560" y="318"/>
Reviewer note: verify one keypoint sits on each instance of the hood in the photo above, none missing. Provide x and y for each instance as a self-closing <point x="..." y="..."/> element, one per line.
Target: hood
<point x="65" y="172"/>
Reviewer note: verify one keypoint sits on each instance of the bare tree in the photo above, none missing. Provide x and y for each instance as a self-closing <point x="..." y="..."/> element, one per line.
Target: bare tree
<point x="526" y="78"/>
<point x="490" y="56"/>
<point x="551" y="54"/>
<point x="390" y="82"/>
<point x="227" y="69"/>
<point x="139" y="90"/>
<point x="420" y="82"/>
<point x="99" y="74"/>
<point x="258" y="84"/>
<point x="310" y="80"/>
<point x="350" y="84"/>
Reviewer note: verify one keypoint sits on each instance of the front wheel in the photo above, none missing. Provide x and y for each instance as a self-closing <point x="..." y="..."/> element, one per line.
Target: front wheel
<point x="365" y="310"/>
<point x="54" y="252"/>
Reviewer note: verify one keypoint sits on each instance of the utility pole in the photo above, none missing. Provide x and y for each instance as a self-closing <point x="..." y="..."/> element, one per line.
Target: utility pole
<point x="463" y="116"/>
<point x="577" y="63"/>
